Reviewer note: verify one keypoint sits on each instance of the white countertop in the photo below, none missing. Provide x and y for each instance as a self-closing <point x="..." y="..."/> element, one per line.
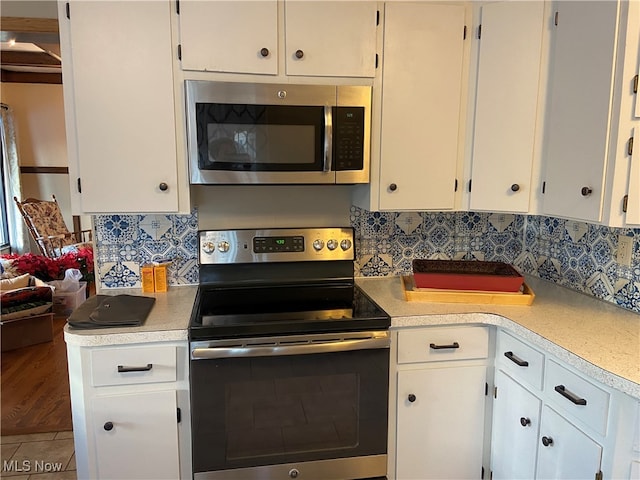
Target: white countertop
<point x="596" y="337"/>
<point x="167" y="321"/>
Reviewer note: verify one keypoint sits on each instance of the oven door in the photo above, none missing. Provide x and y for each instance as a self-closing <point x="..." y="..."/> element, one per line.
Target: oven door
<point x="310" y="406"/>
<point x="260" y="133"/>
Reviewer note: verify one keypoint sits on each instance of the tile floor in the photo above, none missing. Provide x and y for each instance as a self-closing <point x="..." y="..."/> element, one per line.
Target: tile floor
<point x="39" y="456"/>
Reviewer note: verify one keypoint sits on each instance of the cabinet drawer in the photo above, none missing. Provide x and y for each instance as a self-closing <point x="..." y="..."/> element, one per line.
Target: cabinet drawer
<point x="127" y="366"/>
<point x="577" y="396"/>
<point x="520" y="360"/>
<point x="442" y="344"/>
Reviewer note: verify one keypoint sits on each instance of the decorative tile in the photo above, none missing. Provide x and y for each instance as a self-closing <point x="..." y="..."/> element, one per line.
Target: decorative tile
<point x="576" y="230"/>
<point x="116" y="228"/>
<point x="501" y="221"/>
<point x="120" y="275"/>
<point x="409" y="222"/>
<point x="155" y="227"/>
<point x="471" y="223"/>
<point x="599" y="286"/>
<point x="552" y="228"/>
<point x="627" y="295"/>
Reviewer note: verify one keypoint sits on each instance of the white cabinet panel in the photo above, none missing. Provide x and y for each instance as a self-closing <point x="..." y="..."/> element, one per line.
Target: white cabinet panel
<point x="136" y="435"/>
<point x="434" y="445"/>
<point x="421" y="95"/>
<point x="335" y="38"/>
<point x="229" y="36"/>
<point x="120" y="93"/>
<point x="516" y="421"/>
<point x="432" y="344"/>
<point x="570" y="454"/>
<point x="506" y="106"/>
<point x="577" y="125"/>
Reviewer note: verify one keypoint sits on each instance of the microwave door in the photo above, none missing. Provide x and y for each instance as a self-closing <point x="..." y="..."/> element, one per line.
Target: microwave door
<point x="352" y="134"/>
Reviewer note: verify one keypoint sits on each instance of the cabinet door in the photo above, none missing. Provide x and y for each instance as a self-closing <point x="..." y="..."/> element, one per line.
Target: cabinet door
<point x="571" y="453"/>
<point x="506" y="106"/>
<point x="229" y="36"/>
<point x="136" y="435"/>
<point x="421" y="94"/>
<point x="330" y="38"/>
<point x="577" y="125"/>
<point x="633" y="199"/>
<point x="516" y="420"/>
<point x="440" y="423"/>
<point x="119" y="84"/>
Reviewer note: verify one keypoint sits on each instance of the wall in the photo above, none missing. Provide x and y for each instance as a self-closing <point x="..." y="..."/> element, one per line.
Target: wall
<point x="577" y="255"/>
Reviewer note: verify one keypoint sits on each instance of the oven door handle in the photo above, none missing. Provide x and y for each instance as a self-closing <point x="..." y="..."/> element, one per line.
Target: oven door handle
<point x="298" y="349"/>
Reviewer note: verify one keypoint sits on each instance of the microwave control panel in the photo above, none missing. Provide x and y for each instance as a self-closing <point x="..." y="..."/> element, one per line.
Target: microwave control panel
<point x="348" y="138"/>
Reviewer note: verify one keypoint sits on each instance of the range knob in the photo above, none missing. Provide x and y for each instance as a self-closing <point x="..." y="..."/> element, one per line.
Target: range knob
<point x="208" y="247"/>
<point x="318" y="245"/>
<point x="345" y="244"/>
<point x="223" y="246"/>
<point x="332" y="244"/>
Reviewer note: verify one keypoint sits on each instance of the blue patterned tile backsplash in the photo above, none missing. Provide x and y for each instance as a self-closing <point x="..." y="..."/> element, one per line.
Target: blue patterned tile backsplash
<point x="574" y="254"/>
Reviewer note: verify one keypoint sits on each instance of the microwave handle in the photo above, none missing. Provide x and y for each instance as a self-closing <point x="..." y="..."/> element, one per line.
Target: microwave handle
<point x="328" y="138"/>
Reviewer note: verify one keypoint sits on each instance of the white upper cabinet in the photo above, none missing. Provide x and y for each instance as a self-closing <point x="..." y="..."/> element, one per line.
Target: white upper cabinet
<point x="330" y="38"/>
<point x="229" y="36"/>
<point x="589" y="115"/>
<point x="633" y="199"/>
<point x="316" y="38"/>
<point x="506" y="106"/>
<point x="119" y="106"/>
<point x="422" y="70"/>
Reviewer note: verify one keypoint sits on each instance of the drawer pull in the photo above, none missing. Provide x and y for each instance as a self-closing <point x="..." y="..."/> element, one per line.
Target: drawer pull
<point x="123" y="369"/>
<point x="547" y="441"/>
<point x="569" y="396"/>
<point x="441" y="347"/>
<point x="516" y="360"/>
<point x="525" y="422"/>
<point x="411" y="397"/>
<point x="108" y="426"/>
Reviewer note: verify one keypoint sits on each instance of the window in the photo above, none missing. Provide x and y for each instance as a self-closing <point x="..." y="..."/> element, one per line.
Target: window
<point x="4" y="220"/>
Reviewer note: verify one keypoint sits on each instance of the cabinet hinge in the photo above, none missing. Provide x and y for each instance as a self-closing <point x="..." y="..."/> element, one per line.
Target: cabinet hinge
<point x="599" y="475"/>
<point x="179" y="52"/>
<point x="455" y="185"/>
<point x="635" y="84"/>
<point x="68" y="10"/>
<point x="495" y="392"/>
<point x="464" y="33"/>
<point x="486" y="389"/>
<point x="178" y="7"/>
<point x="479" y="31"/>
<point x="555" y="19"/>
<point x="79" y="186"/>
<point x="469" y="185"/>
<point x="491" y="475"/>
<point x="544" y="187"/>
<point x="625" y="203"/>
<point x="376" y="60"/>
<point x="630" y="147"/>
<point x="482" y="473"/>
<point x="377" y="17"/>
<point x="179" y="414"/>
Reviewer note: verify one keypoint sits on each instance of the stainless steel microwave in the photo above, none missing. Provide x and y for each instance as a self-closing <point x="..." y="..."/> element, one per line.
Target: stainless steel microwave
<point x="240" y="133"/>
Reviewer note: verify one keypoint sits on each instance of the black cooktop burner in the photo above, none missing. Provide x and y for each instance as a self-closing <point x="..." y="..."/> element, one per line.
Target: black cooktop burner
<point x="224" y="312"/>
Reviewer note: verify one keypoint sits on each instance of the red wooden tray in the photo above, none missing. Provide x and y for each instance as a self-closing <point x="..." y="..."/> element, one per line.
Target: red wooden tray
<point x="466" y="275"/>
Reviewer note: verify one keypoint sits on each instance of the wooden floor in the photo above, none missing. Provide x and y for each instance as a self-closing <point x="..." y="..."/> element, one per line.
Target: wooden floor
<point x="34" y="387"/>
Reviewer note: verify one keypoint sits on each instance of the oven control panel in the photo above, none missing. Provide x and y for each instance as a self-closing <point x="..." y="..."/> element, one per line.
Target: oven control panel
<point x="276" y="245"/>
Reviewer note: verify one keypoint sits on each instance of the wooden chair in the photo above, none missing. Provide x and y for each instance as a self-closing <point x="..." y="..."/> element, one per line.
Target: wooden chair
<point x="46" y="226"/>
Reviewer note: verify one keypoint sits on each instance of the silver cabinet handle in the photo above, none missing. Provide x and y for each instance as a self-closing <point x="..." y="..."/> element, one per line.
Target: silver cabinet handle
<point x="328" y="139"/>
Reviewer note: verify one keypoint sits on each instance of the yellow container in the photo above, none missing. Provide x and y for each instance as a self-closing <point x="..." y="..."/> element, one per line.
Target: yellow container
<point x="160" y="278"/>
<point x="147" y="276"/>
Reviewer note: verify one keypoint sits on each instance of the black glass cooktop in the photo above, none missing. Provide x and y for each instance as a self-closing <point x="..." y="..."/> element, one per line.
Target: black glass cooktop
<point x="224" y="312"/>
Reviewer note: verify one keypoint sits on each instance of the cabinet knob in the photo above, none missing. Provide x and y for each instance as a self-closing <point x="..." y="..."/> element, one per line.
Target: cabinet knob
<point x="525" y="422"/>
<point x="411" y="397"/>
<point x="108" y="426"/>
<point x="586" y="191"/>
<point x="299" y="54"/>
<point x="547" y="441"/>
<point x="264" y="52"/>
<point x="163" y="187"/>
<point x="393" y="187"/>
<point x="515" y="187"/>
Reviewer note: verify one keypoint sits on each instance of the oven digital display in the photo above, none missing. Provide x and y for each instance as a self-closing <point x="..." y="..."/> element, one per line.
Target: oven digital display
<point x="278" y="244"/>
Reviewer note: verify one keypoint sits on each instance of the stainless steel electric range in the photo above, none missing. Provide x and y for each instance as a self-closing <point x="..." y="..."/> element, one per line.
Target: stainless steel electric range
<point x="289" y="365"/>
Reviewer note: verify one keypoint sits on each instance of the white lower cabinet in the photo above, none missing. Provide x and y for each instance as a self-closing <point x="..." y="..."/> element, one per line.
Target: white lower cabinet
<point x="130" y="407"/>
<point x="440" y="403"/>
<point x="516" y="423"/>
<point x="565" y="451"/>
<point x="136" y="435"/>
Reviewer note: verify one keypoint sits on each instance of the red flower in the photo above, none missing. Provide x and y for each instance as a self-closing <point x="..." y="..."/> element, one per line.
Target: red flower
<point x="48" y="269"/>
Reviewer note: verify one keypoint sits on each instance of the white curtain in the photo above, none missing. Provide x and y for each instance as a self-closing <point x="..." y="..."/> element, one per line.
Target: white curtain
<point x="17" y="230"/>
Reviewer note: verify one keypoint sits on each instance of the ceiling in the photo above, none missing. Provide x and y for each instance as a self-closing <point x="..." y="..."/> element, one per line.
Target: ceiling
<point x="30" y="50"/>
